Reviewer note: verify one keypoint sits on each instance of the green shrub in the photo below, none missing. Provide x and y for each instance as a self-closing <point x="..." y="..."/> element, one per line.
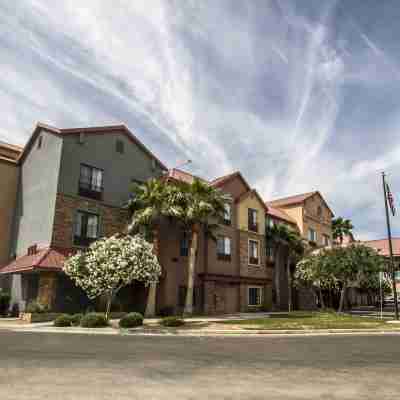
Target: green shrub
<point x="167" y="311"/>
<point x="4" y="303"/>
<point x="63" y="320"/>
<point x="94" y="320"/>
<point x="131" y="320"/>
<point x="76" y="319"/>
<point x="172" y="321"/>
<point x="35" y="307"/>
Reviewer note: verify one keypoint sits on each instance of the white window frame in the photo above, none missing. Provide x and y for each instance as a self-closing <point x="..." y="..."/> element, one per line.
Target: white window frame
<point x="228" y="212"/>
<point x="314" y="239"/>
<point x="226" y="240"/>
<point x="260" y="297"/>
<point x="258" y="252"/>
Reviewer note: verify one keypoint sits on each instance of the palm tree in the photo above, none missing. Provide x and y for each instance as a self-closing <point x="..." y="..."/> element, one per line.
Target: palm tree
<point x="196" y="206"/>
<point x="296" y="246"/>
<point x="147" y="207"/>
<point x="277" y="235"/>
<point x="341" y="227"/>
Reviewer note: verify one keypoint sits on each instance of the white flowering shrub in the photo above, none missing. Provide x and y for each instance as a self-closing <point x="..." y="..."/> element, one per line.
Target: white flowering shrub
<point x="111" y="263"/>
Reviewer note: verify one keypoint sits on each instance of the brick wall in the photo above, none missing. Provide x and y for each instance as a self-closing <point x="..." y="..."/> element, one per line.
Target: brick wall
<point x="112" y="219"/>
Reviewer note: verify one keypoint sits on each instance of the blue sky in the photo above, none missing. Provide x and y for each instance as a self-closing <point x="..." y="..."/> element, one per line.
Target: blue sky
<point x="298" y="95"/>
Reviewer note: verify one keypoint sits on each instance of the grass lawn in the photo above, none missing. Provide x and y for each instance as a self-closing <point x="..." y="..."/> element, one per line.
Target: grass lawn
<point x="310" y="320"/>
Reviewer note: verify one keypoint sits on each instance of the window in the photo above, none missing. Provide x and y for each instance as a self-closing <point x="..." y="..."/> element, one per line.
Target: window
<point x="227" y="214"/>
<point x="255" y="296"/>
<point x="312" y="235"/>
<point x="252" y="220"/>
<point x="119" y="146"/>
<point x="91" y="182"/>
<point x="224" y="248"/>
<point x="40" y="142"/>
<point x="184" y="245"/>
<point x="269" y="222"/>
<point x="86" y="228"/>
<point x="326" y="240"/>
<point x="253" y="252"/>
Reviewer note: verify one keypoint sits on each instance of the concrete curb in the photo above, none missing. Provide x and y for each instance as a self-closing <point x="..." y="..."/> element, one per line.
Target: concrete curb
<point x="200" y="333"/>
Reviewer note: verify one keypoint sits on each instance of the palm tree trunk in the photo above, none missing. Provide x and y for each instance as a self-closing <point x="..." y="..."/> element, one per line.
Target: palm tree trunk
<point x="321" y="297"/>
<point x="289" y="278"/>
<point x="152" y="294"/>
<point x="342" y="297"/>
<point x="191" y="272"/>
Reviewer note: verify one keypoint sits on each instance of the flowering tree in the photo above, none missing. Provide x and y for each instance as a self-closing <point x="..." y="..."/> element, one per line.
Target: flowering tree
<point x="111" y="263"/>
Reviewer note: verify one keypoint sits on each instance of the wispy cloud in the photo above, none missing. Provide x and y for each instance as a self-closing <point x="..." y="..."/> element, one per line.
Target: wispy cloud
<point x="297" y="95"/>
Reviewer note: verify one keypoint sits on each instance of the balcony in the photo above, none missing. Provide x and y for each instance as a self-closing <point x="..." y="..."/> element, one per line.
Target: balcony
<point x="90" y="191"/>
<point x="253" y="227"/>
<point x="223" y="257"/>
<point x="253" y="261"/>
<point x="82" y="241"/>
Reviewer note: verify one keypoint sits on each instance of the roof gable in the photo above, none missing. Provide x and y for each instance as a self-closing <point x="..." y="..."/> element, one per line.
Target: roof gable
<point x="297" y="199"/>
<point x="94" y="130"/>
<point x="255" y="193"/>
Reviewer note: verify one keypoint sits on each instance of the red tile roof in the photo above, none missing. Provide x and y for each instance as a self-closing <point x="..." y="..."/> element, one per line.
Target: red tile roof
<point x="280" y="214"/>
<point x="286" y="201"/>
<point x="226" y="178"/>
<point x="51" y="259"/>
<point x="182" y="176"/>
<point x="382" y="246"/>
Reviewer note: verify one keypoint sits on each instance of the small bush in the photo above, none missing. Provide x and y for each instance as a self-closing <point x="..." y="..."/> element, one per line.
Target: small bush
<point x="35" y="307"/>
<point x="172" y="321"/>
<point x="76" y="319"/>
<point x="4" y="302"/>
<point x="167" y="311"/>
<point x="131" y="320"/>
<point x="94" y="320"/>
<point x="63" y="320"/>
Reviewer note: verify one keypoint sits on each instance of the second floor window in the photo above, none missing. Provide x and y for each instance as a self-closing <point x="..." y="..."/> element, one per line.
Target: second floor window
<point x="227" y="213"/>
<point x="91" y="182"/>
<point x="86" y="228"/>
<point x="224" y="248"/>
<point x="312" y="235"/>
<point x="253" y="252"/>
<point x="252" y="220"/>
<point x="184" y="245"/>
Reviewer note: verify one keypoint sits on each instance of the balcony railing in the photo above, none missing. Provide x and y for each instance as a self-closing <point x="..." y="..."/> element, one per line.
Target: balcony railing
<point x="253" y="261"/>
<point x="253" y="227"/>
<point x="224" y="257"/>
<point x="91" y="191"/>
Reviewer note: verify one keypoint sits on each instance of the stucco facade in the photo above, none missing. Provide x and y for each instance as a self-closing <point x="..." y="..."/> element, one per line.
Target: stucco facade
<point x="8" y="193"/>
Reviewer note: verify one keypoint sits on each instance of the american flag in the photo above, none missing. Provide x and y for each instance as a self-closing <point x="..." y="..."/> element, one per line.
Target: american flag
<point x="390" y="199"/>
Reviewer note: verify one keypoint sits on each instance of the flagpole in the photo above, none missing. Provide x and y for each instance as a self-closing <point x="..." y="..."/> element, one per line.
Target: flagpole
<point x="396" y="305"/>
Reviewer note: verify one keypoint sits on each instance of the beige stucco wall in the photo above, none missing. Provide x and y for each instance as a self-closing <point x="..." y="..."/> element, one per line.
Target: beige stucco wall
<point x="251" y="202"/>
<point x="306" y="216"/>
<point x="296" y="212"/>
<point x="8" y="190"/>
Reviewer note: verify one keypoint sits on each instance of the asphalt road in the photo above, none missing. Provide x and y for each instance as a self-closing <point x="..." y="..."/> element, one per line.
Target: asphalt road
<point x="66" y="366"/>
